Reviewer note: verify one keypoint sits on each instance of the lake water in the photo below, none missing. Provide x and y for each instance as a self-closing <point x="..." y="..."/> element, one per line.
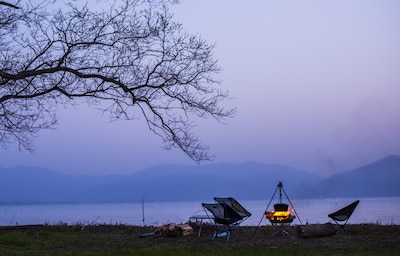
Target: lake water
<point x="383" y="211"/>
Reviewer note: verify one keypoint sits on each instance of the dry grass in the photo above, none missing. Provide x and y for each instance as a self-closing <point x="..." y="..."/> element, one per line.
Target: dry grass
<point x="364" y="239"/>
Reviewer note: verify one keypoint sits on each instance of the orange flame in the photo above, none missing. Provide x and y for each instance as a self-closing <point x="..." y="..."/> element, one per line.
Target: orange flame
<point x="279" y="215"/>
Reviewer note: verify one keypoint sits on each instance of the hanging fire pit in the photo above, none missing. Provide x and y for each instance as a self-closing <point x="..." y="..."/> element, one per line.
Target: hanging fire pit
<point x="281" y="214"/>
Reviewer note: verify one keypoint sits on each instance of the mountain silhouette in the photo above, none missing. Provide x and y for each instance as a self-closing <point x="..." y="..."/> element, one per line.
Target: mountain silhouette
<point x="378" y="179"/>
<point x="248" y="180"/>
<point x="244" y="181"/>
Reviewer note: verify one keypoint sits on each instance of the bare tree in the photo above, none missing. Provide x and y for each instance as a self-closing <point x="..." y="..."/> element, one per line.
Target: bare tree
<point x="130" y="61"/>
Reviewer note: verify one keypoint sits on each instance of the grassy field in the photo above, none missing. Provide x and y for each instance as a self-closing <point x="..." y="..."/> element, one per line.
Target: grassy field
<point x="365" y="239"/>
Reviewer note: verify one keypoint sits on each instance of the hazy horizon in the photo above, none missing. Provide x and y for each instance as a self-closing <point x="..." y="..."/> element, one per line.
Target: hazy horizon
<point x="315" y="84"/>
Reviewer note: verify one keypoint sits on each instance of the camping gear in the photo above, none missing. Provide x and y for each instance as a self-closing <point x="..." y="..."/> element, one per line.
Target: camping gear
<point x="342" y="216"/>
<point x="283" y="213"/>
<point x="228" y="214"/>
<point x="200" y="220"/>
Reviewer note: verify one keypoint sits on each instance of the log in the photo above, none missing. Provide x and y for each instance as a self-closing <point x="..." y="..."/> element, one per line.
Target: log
<point x="316" y="230"/>
<point x="165" y="230"/>
<point x="185" y="229"/>
<point x="173" y="230"/>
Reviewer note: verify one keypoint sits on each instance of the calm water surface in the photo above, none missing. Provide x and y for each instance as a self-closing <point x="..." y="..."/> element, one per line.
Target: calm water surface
<point x="384" y="211"/>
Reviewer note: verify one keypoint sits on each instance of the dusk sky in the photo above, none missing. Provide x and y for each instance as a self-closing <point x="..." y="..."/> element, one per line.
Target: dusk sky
<point x="316" y="85"/>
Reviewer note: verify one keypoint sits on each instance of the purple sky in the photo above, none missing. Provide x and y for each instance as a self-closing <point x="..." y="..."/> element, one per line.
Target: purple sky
<point x="316" y="85"/>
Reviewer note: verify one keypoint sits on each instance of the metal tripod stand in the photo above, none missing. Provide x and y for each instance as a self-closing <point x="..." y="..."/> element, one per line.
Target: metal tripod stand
<point x="280" y="230"/>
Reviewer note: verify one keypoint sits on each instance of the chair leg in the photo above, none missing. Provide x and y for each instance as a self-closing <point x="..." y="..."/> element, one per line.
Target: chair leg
<point x="217" y="233"/>
<point x="214" y="235"/>
<point x="232" y="230"/>
<point x="227" y="231"/>
<point x="341" y="226"/>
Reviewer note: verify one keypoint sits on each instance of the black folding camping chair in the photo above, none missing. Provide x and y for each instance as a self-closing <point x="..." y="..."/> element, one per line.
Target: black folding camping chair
<point x="227" y="215"/>
<point x="342" y="216"/>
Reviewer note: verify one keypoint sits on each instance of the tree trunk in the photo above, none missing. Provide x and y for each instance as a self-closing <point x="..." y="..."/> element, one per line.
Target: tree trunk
<point x="315" y="230"/>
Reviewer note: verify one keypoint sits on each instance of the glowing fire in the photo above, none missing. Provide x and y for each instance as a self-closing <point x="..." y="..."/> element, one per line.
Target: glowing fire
<point x="282" y="213"/>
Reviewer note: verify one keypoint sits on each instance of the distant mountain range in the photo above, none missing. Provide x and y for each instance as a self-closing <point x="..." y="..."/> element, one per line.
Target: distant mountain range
<point x="378" y="179"/>
<point x="250" y="180"/>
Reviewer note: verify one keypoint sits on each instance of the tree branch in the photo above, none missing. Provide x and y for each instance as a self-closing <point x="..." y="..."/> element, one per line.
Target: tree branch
<point x="9" y="5"/>
<point x="131" y="60"/>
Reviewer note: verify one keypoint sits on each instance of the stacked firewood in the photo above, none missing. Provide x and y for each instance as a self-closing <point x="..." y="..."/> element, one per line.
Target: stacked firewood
<point x="173" y="230"/>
